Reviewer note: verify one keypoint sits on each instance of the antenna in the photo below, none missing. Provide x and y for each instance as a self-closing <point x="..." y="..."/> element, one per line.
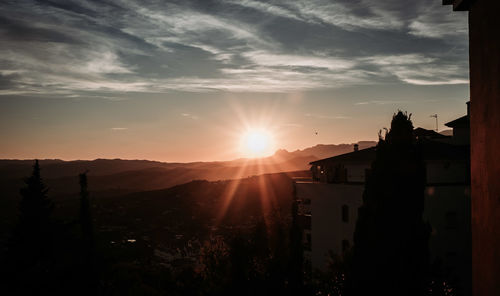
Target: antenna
<point x="435" y="116"/>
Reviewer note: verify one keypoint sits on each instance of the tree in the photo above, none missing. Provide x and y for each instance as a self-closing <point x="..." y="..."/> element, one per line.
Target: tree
<point x="32" y="235"/>
<point x="390" y="253"/>
<point x="86" y="219"/>
<point x="89" y="277"/>
<point x="31" y="245"/>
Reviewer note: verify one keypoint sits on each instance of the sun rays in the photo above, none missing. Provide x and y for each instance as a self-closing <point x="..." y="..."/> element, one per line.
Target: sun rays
<point x="257" y="142"/>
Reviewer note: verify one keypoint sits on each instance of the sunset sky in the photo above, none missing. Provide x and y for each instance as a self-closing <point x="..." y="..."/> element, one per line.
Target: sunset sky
<point x="184" y="80"/>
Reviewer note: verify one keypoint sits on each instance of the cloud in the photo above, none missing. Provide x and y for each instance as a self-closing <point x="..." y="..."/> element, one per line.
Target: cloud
<point x="420" y="70"/>
<point x="119" y="128"/>
<point x="64" y="48"/>
<point x="381" y="102"/>
<point x="269" y="59"/>
<point x="433" y="23"/>
<point x="191" y="116"/>
<point x="268" y="8"/>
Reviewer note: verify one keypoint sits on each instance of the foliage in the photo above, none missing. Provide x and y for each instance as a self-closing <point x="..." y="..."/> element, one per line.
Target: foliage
<point x="332" y="281"/>
<point x="75" y="257"/>
<point x="390" y="254"/>
<point x="31" y="248"/>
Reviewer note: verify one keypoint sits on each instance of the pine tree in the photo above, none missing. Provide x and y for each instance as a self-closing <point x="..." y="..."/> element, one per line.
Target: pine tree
<point x="30" y="249"/>
<point x="390" y="255"/>
<point x="32" y="236"/>
<point x="86" y="218"/>
<point x="89" y="277"/>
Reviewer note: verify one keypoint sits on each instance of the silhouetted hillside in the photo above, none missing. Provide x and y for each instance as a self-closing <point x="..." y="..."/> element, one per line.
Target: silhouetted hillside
<point x="282" y="160"/>
<point x="323" y="150"/>
<point x="139" y="175"/>
<point x="197" y="208"/>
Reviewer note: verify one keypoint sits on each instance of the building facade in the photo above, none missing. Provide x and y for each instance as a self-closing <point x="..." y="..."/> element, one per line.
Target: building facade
<point x="484" y="73"/>
<point x="331" y="198"/>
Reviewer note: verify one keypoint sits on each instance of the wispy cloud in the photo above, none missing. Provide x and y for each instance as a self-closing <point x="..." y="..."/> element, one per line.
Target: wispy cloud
<point x="119" y="128"/>
<point x="381" y="102"/>
<point x="420" y="69"/>
<point x="124" y="46"/>
<point x="190" y="116"/>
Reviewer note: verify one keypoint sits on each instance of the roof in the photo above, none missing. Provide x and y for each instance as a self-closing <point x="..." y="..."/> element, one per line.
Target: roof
<point x="367" y="154"/>
<point x="431" y="150"/>
<point x="458" y="5"/>
<point x="463" y="121"/>
<point x="425" y="133"/>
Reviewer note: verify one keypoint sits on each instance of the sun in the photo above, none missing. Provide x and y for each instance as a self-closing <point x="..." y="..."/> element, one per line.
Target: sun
<point x="257" y="142"/>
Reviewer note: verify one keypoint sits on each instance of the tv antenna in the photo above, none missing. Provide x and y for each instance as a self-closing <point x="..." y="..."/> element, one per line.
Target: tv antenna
<point x="435" y="116"/>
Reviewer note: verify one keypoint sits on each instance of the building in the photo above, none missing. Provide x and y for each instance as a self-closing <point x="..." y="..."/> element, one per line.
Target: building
<point x="331" y="198"/>
<point x="484" y="73"/>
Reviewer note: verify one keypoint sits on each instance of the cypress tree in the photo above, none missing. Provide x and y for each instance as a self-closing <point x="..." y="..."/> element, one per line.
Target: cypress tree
<point x="89" y="276"/>
<point x="32" y="236"/>
<point x="30" y="248"/>
<point x="390" y="253"/>
<point x="86" y="218"/>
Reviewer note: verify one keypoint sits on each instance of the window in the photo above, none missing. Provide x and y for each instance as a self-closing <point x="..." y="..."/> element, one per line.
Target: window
<point x="345" y="213"/>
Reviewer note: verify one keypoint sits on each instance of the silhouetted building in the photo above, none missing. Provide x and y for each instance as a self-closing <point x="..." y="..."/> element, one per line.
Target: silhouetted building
<point x="461" y="129"/>
<point x="330" y="202"/>
<point x="484" y="67"/>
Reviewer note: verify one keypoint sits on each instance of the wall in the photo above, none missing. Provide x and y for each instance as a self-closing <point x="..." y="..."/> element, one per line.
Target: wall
<point x="461" y="136"/>
<point x="444" y="171"/>
<point x="484" y="55"/>
<point x="451" y="242"/>
<point x="356" y="172"/>
<point x="327" y="228"/>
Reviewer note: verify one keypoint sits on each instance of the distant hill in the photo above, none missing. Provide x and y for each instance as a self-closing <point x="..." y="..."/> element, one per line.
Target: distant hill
<point x="139" y="175"/>
<point x="323" y="151"/>
<point x="118" y="178"/>
<point x="192" y="209"/>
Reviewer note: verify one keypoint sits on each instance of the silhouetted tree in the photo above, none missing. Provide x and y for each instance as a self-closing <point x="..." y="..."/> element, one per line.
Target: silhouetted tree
<point x="30" y="248"/>
<point x="332" y="280"/>
<point x="86" y="217"/>
<point x="215" y="259"/>
<point x="390" y="255"/>
<point x="260" y="254"/>
<point x="278" y="264"/>
<point x="239" y="256"/>
<point x="87" y="243"/>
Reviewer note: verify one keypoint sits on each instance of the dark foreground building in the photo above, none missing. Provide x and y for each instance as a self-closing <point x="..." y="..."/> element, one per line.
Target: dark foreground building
<point x="484" y="65"/>
<point x="329" y="203"/>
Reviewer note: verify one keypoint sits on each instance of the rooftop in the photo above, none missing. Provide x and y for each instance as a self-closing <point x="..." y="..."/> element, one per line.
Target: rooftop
<point x="367" y="154"/>
<point x="425" y="133"/>
<point x="463" y="121"/>
<point x="458" y="5"/>
<point x="431" y="150"/>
